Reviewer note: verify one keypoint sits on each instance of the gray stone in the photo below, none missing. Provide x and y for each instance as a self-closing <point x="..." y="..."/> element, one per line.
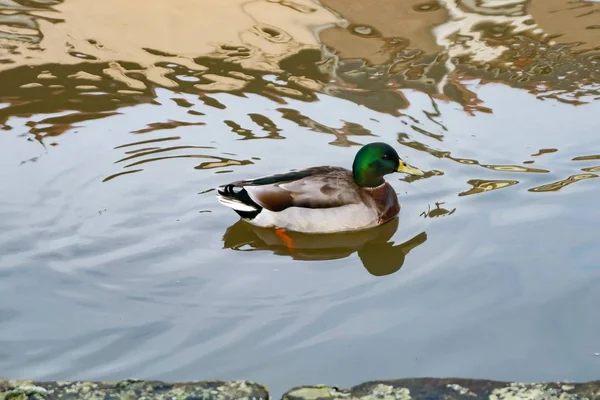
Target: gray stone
<point x="449" y="389"/>
<point x="132" y="390"/>
<point x="402" y="389"/>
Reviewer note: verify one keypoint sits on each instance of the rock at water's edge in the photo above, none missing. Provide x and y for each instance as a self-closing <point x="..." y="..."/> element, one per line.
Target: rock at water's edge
<point x="449" y="389"/>
<point x="402" y="389"/>
<point x="132" y="390"/>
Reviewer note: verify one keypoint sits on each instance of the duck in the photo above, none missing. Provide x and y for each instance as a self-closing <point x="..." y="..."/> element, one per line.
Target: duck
<point x="322" y="199"/>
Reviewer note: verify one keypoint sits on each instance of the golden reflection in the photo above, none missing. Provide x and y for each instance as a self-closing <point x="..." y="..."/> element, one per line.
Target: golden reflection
<point x="158" y="150"/>
<point x="86" y="66"/>
<point x="369" y="53"/>
<point x="160" y="126"/>
<point x="63" y="85"/>
<point x="427" y="133"/>
<point x="55" y="56"/>
<point x="149" y="141"/>
<point x="341" y="135"/>
<point x="379" y="30"/>
<point x="113" y="176"/>
<point x="555" y="186"/>
<point x="439" y="45"/>
<point x="403" y="139"/>
<point x="587" y="158"/>
<point x="481" y="186"/>
<point x="258" y="33"/>
<point x="266" y="125"/>
<point x="466" y="161"/>
<point x="145" y="154"/>
<point x="514" y="168"/>
<point x="568" y="22"/>
<point x="205" y="165"/>
<point x="378" y="254"/>
<point x="59" y="125"/>
<point x="591" y="169"/>
<point x="222" y="162"/>
<point x="359" y="51"/>
<point x="544" y="151"/>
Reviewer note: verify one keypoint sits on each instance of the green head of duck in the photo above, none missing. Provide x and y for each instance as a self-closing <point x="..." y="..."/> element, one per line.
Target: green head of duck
<point x="375" y="160"/>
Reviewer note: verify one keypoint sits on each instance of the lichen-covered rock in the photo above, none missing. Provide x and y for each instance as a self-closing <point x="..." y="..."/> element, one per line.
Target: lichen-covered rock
<point x="132" y="390"/>
<point x="449" y="389"/>
<point x="402" y="389"/>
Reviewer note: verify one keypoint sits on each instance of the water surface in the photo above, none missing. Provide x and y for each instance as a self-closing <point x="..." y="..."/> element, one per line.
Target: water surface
<point x="118" y="262"/>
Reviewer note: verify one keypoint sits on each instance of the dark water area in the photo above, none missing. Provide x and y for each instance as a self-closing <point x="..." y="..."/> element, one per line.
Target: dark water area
<point x="119" y="121"/>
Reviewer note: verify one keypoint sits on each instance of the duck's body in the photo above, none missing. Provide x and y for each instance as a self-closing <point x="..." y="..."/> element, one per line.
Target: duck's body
<point x="321" y="199"/>
<point x="315" y="200"/>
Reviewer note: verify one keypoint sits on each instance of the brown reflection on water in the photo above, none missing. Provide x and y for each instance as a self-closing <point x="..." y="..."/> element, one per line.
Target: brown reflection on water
<point x="481" y="186"/>
<point x="56" y="58"/>
<point x="374" y="33"/>
<point x="20" y="22"/>
<point x="587" y="158"/>
<point x="592" y="169"/>
<point x="514" y="168"/>
<point x="80" y="61"/>
<point x="544" y="151"/>
<point x="404" y="140"/>
<point x="370" y="55"/>
<point x="378" y="254"/>
<point x="259" y="32"/>
<point x="437" y="211"/>
<point x="146" y="154"/>
<point x="568" y="22"/>
<point x="555" y="186"/>
<point x="160" y="126"/>
<point x="341" y="135"/>
<point x="266" y="125"/>
<point x="440" y="45"/>
<point x="60" y="90"/>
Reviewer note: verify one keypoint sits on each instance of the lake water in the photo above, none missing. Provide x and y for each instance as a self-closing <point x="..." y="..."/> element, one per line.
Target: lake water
<point x="118" y="121"/>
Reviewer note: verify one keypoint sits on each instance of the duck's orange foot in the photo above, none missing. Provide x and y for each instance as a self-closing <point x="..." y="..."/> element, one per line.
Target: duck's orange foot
<point x="285" y="238"/>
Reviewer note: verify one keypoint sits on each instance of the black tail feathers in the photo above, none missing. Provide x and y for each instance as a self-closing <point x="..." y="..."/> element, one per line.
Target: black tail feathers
<point x="242" y="196"/>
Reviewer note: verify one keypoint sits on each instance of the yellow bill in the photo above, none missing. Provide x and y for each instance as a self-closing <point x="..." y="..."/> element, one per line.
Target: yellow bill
<point x="409" y="169"/>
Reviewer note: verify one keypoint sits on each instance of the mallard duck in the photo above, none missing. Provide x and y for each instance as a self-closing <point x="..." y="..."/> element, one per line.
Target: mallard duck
<point x="322" y="199"/>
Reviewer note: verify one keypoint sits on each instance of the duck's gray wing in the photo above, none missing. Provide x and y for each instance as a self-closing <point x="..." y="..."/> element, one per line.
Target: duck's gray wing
<point x="317" y="187"/>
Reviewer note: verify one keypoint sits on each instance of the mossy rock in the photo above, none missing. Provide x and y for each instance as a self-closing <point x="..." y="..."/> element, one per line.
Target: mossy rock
<point x="132" y="390"/>
<point x="449" y="389"/>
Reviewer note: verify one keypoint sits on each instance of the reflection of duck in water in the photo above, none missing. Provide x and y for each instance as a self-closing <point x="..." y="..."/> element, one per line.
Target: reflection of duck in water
<point x="378" y="255"/>
<point x="322" y="199"/>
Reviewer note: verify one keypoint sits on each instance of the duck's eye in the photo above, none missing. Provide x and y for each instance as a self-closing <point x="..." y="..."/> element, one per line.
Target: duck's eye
<point x="385" y="157"/>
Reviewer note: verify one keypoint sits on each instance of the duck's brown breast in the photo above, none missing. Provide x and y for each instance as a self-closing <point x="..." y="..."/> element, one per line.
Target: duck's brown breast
<point x="386" y="201"/>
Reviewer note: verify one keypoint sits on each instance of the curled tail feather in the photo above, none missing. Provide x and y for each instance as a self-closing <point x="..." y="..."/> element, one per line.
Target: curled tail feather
<point x="239" y="201"/>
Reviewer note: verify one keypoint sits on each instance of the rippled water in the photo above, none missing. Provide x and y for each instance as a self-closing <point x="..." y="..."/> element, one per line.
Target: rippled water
<point x="116" y="260"/>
